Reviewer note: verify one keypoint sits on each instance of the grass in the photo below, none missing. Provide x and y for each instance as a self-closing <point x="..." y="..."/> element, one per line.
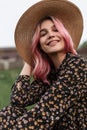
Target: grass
<point x="7" y="78"/>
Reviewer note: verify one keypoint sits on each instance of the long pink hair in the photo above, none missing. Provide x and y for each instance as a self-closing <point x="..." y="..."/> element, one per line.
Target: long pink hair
<point x="42" y="63"/>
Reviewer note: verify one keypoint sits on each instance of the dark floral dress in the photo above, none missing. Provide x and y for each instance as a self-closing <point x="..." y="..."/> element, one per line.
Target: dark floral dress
<point x="62" y="105"/>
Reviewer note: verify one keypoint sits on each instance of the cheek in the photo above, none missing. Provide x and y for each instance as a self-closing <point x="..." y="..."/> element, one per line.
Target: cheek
<point x="42" y="42"/>
<point x="63" y="44"/>
<point x="42" y="45"/>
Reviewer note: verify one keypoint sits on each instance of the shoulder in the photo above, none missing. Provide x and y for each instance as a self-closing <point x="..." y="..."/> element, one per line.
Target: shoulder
<point x="77" y="68"/>
<point x="76" y="65"/>
<point x="76" y="60"/>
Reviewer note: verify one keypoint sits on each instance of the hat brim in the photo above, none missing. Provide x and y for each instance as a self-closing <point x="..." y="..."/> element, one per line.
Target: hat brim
<point x="67" y="12"/>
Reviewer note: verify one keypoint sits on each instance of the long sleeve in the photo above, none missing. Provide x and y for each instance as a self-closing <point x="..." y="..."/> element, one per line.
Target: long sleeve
<point x="24" y="93"/>
<point x="57" y="100"/>
<point x="62" y="106"/>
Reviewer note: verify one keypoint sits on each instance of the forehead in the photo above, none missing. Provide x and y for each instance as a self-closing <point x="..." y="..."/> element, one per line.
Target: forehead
<point x="47" y="23"/>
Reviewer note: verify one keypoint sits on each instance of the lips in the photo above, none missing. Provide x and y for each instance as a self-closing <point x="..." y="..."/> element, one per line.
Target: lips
<point x="52" y="42"/>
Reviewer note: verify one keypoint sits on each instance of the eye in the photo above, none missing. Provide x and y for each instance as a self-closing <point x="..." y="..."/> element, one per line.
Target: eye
<point x="55" y="29"/>
<point x="43" y="33"/>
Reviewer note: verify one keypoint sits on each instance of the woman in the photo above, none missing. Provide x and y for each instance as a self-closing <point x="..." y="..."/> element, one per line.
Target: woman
<point x="60" y="77"/>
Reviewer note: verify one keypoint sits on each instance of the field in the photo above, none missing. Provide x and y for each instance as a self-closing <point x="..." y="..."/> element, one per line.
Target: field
<point x="7" y="78"/>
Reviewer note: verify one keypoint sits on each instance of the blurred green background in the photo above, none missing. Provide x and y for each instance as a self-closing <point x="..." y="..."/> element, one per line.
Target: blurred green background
<point x="7" y="78"/>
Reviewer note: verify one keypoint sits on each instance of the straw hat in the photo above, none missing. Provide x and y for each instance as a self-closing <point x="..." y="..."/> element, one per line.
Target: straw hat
<point x="64" y="10"/>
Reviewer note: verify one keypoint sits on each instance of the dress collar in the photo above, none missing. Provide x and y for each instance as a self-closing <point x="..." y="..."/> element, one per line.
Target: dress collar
<point x="62" y="65"/>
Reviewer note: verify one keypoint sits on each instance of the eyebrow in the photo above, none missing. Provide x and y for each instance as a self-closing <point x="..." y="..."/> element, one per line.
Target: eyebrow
<point x="45" y="29"/>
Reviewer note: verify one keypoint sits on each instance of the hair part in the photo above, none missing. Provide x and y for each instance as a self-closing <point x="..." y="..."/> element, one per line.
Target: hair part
<point x="41" y="62"/>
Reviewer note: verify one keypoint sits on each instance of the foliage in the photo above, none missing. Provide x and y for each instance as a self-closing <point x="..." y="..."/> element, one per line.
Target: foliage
<point x="7" y="78"/>
<point x="83" y="45"/>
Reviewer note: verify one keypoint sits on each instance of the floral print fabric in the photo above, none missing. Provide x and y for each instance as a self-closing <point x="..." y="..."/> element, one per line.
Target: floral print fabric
<point x="61" y="105"/>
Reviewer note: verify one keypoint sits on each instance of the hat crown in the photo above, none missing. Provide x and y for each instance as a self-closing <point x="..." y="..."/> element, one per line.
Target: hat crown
<point x="64" y="10"/>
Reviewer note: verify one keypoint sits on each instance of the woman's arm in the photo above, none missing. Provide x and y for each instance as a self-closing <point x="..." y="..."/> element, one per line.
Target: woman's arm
<point x="26" y="69"/>
<point x="25" y="93"/>
<point x="52" y="106"/>
<point x="56" y="101"/>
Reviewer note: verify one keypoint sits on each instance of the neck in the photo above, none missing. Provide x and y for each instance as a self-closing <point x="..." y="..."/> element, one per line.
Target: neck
<point x="57" y="58"/>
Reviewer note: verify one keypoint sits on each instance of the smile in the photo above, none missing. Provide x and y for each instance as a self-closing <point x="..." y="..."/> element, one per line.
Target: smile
<point x="53" y="42"/>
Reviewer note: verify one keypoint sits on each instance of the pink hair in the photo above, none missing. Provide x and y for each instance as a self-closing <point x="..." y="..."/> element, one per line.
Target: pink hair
<point x="42" y="63"/>
<point x="69" y="46"/>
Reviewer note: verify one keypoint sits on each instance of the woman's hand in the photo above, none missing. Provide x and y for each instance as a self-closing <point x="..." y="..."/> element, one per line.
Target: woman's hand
<point x="26" y="69"/>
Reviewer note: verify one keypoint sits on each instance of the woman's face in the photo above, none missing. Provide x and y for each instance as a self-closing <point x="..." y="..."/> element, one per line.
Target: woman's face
<point x="51" y="40"/>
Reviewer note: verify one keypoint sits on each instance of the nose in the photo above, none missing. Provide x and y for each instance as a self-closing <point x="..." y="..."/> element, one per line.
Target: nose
<point x="51" y="35"/>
